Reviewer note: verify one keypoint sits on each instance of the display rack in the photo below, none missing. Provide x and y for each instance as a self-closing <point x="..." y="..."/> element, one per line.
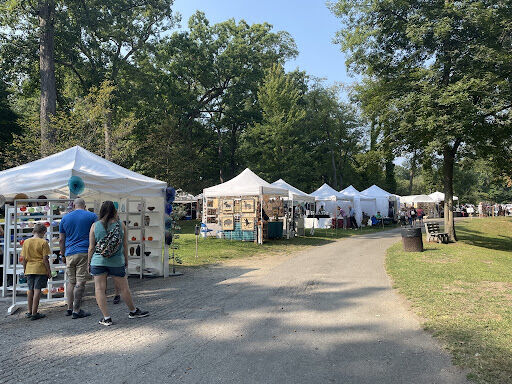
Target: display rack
<point x="19" y="222"/>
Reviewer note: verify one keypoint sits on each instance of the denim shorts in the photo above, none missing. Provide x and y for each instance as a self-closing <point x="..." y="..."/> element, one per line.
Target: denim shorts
<point x="97" y="270"/>
<point x="37" y="281"/>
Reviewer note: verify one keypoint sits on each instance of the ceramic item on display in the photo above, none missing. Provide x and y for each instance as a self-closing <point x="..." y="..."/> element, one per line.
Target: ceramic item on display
<point x="55" y="224"/>
<point x="132" y="250"/>
<point x="23" y="279"/>
<point x="46" y="208"/>
<point x="91" y="210"/>
<point x="147" y="220"/>
<point x="151" y="208"/>
<point x="150" y="238"/>
<point x="54" y="290"/>
<point x="44" y="291"/>
<point x="60" y="289"/>
<point x="123" y="208"/>
<point x="76" y="185"/>
<point x="135" y="224"/>
<point x="134" y="238"/>
<point x="31" y="224"/>
<point x="22" y="241"/>
<point x="21" y="259"/>
<point x="46" y="224"/>
<point x="143" y="238"/>
<point x="139" y="207"/>
<point x="168" y="209"/>
<point x="170" y="194"/>
<point x="41" y="197"/>
<point x="23" y="225"/>
<point x="54" y="273"/>
<point x="137" y="251"/>
<point x="147" y="253"/>
<point x="31" y="209"/>
<point x="23" y="208"/>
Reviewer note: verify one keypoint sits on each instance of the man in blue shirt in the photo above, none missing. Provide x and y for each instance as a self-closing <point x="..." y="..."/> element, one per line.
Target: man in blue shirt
<point x="74" y="245"/>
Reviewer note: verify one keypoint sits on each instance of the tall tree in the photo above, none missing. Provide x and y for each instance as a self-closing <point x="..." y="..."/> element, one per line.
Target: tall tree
<point x="448" y="64"/>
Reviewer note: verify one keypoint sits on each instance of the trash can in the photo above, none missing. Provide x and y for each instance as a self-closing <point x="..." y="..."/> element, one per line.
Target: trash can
<point x="412" y="239"/>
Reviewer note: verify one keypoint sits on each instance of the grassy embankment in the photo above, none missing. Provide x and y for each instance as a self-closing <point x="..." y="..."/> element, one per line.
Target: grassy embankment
<point x="463" y="291"/>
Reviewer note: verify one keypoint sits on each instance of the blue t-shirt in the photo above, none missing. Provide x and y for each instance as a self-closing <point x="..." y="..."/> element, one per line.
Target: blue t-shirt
<point x="76" y="226"/>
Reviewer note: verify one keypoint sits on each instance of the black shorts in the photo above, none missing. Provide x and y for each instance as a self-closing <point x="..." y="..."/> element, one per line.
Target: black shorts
<point x="37" y="281"/>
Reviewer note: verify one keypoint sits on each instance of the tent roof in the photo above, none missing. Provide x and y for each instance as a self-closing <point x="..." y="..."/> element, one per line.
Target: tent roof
<point x="351" y="191"/>
<point x="326" y="192"/>
<point x="416" y="199"/>
<point x="439" y="196"/>
<point x="50" y="175"/>
<point x="246" y="183"/>
<point x="293" y="193"/>
<point x="376" y="191"/>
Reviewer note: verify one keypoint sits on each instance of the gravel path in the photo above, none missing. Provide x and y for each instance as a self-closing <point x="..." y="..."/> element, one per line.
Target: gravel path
<point x="325" y="315"/>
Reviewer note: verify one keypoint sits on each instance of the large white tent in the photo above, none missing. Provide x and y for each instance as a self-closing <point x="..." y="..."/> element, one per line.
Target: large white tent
<point x="50" y="176"/>
<point x="294" y="194"/>
<point x="103" y="180"/>
<point x="382" y="198"/>
<point x="331" y="199"/>
<point x="246" y="183"/>
<point x="368" y="203"/>
<point x="439" y="196"/>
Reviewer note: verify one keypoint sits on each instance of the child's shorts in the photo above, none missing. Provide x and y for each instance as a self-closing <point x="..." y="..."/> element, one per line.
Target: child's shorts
<point x="37" y="281"/>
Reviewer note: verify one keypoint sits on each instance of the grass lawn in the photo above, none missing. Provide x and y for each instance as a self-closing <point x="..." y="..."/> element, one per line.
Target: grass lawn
<point x="212" y="250"/>
<point x="463" y="291"/>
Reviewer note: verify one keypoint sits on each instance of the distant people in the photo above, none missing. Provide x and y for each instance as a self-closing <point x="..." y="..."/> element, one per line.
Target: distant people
<point x="378" y="216"/>
<point x="409" y="217"/>
<point x="420" y="213"/>
<point x="108" y="256"/>
<point x="352" y="216"/>
<point x="322" y="211"/>
<point x="413" y="215"/>
<point x="36" y="267"/>
<point x="74" y="244"/>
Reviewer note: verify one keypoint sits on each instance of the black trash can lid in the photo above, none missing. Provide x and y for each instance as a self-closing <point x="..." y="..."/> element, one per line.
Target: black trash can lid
<point x="411" y="232"/>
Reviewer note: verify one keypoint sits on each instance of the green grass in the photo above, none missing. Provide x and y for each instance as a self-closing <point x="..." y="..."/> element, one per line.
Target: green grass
<point x="463" y="291"/>
<point x="212" y="250"/>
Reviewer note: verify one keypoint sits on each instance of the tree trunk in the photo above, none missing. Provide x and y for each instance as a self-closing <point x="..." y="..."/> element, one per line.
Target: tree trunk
<point x="335" y="177"/>
<point x="412" y="172"/>
<point x="448" y="164"/>
<point x="220" y="154"/>
<point x="48" y="100"/>
<point x="107" y="132"/>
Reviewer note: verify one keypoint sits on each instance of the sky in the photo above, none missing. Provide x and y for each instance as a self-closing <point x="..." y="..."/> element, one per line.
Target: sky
<point x="309" y="22"/>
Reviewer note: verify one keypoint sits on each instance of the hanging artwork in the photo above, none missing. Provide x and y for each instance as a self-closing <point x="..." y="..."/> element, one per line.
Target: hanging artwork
<point x="228" y="224"/>
<point x="227" y="206"/>
<point x="212" y="203"/>
<point x="247" y="223"/>
<point x="237" y="206"/>
<point x="248" y="205"/>
<point x="211" y="212"/>
<point x="211" y="220"/>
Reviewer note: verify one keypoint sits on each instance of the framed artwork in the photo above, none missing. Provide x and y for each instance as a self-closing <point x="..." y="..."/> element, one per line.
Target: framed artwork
<point x="211" y="212"/>
<point x="212" y="203"/>
<point x="211" y="220"/>
<point x="248" y="205"/>
<point x="247" y="223"/>
<point x="227" y="206"/>
<point x="228" y="223"/>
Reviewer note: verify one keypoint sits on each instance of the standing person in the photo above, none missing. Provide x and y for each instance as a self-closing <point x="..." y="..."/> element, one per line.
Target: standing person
<point x="352" y="214"/>
<point x="108" y="256"/>
<point x="36" y="267"/>
<point x="74" y="244"/>
<point x="413" y="215"/>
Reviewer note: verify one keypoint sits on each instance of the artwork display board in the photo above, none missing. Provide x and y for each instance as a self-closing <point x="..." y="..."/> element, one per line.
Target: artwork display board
<point x="228" y="223"/>
<point x="227" y="206"/>
<point x="248" y="205"/>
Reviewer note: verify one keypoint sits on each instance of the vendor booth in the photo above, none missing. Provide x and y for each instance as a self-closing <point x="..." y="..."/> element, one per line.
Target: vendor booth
<point x="331" y="204"/>
<point x="244" y="208"/>
<point x="298" y="205"/>
<point x="41" y="192"/>
<point x="189" y="202"/>
<point x="387" y="203"/>
<point x="438" y="198"/>
<point x="424" y="202"/>
<point x="368" y="204"/>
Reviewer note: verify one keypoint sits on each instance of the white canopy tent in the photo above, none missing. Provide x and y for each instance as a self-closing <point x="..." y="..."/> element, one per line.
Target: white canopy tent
<point x="439" y="196"/>
<point x="331" y="199"/>
<point x="294" y="194"/>
<point x="412" y="199"/>
<point x="246" y="183"/>
<point x="103" y="180"/>
<point x="368" y="203"/>
<point x="382" y="198"/>
<point x="50" y="175"/>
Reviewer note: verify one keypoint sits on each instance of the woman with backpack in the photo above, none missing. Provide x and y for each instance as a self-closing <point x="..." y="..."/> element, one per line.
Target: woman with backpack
<point x="108" y="256"/>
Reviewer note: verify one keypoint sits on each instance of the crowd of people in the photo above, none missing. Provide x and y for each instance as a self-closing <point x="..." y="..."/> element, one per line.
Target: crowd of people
<point x="411" y="215"/>
<point x="89" y="246"/>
